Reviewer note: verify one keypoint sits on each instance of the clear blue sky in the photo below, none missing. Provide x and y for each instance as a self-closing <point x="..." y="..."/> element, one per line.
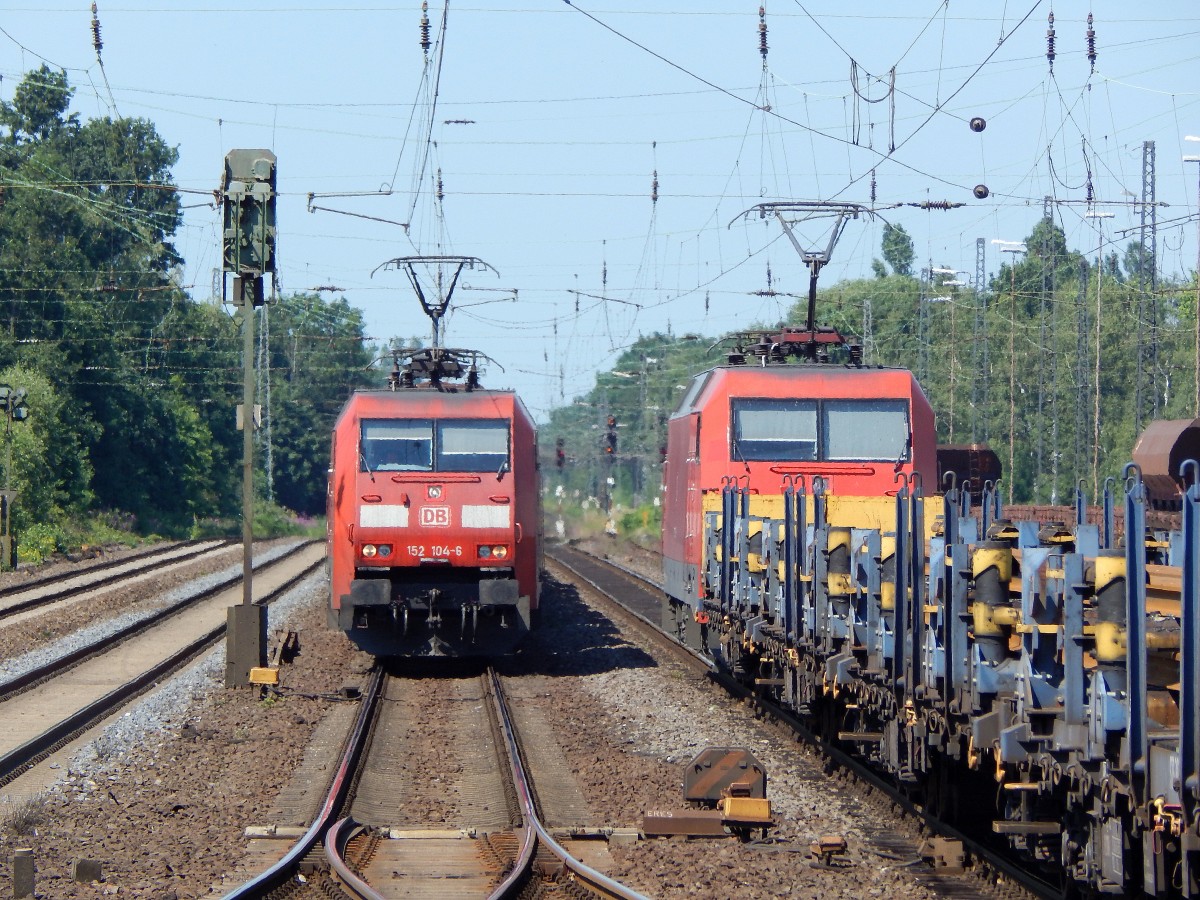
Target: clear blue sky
<point x="551" y="119"/>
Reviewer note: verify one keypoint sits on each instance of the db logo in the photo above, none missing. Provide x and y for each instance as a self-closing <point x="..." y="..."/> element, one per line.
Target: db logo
<point x="435" y="516"/>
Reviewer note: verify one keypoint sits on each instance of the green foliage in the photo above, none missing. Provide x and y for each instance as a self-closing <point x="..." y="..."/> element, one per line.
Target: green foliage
<point x="641" y="392"/>
<point x="272" y="521"/>
<point x="38" y="106"/>
<point x="132" y="385"/>
<point x="318" y="357"/>
<point x="898" y="249"/>
<point x="50" y="467"/>
<point x="39" y="542"/>
<point x="642" y="524"/>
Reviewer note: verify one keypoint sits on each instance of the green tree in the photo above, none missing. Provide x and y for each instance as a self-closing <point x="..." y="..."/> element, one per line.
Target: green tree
<point x="898" y="249"/>
<point x="51" y="471"/>
<point x="318" y="357"/>
<point x="38" y="107"/>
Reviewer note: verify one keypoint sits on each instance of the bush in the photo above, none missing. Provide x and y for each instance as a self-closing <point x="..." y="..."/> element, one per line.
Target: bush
<point x="24" y="818"/>
<point x="270" y="521"/>
<point x="38" y="543"/>
<point x="641" y="522"/>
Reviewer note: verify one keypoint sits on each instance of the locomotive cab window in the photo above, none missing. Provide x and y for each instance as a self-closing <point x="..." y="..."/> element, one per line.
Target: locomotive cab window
<point x="472" y="445"/>
<point x="875" y="430"/>
<point x="427" y="445"/>
<point x="775" y="429"/>
<point x="790" y="430"/>
<point x="396" y="445"/>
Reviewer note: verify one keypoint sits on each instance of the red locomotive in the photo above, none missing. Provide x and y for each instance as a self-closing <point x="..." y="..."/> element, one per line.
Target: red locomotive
<point x="434" y="519"/>
<point x="434" y="511"/>
<point x="856" y="428"/>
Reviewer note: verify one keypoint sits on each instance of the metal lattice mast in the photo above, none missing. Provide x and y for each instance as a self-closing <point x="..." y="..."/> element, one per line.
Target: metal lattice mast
<point x="1147" y="284"/>
<point x="1047" y="288"/>
<point x="868" y="328"/>
<point x="923" y="327"/>
<point x="981" y="347"/>
<point x="1082" y="366"/>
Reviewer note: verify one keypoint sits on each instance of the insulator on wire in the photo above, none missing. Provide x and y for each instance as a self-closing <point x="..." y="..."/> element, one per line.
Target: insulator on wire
<point x="1091" y="193"/>
<point x="425" y="42"/>
<point x="439" y="186"/>
<point x="936" y="204"/>
<point x="1091" y="42"/>
<point x="872" y="185"/>
<point x="1050" y="42"/>
<point x="762" y="32"/>
<point x="654" y="188"/>
<point x="96" y="42"/>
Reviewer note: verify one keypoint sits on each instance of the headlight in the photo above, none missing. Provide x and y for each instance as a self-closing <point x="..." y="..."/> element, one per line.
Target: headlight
<point x="385" y="550"/>
<point x="485" y="552"/>
<point x="493" y="551"/>
<point x="368" y="550"/>
<point x="500" y="551"/>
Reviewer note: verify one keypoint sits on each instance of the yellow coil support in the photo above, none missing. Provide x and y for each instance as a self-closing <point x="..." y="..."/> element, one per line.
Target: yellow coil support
<point x="984" y="557"/>
<point x="887" y="588"/>
<point x="1006" y="615"/>
<point x="991" y="569"/>
<point x="984" y="620"/>
<point x="1111" y="632"/>
<point x="1108" y="569"/>
<point x="838" y="572"/>
<point x="840" y="584"/>
<point x="1111" y="642"/>
<point x="1163" y="640"/>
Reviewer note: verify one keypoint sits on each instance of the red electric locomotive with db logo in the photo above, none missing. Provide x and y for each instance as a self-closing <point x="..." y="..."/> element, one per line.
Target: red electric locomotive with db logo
<point x="433" y="521"/>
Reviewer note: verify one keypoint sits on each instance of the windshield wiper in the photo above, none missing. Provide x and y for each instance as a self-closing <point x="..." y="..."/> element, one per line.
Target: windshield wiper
<point x="366" y="467"/>
<point x="503" y="468"/>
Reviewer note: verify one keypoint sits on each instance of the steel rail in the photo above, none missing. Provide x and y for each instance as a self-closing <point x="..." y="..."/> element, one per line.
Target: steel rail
<point x="598" y="882"/>
<point x="340" y="834"/>
<point x="145" y="556"/>
<point x="335" y="799"/>
<point x="60" y="664"/>
<point x="794" y="725"/>
<point x="33" y="751"/>
<point x="534" y="831"/>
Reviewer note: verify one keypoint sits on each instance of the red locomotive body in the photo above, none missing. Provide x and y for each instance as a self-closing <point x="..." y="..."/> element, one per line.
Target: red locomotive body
<point x="434" y="511"/>
<point x="856" y="428"/>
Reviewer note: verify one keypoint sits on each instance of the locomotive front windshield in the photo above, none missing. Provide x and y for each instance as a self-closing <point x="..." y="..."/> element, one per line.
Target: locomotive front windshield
<point x="789" y="430"/>
<point x="433" y="445"/>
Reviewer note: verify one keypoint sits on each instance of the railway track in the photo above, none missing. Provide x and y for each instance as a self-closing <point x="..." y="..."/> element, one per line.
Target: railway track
<point x="634" y="602"/>
<point x="462" y="820"/>
<point x="27" y="596"/>
<point x="52" y="704"/>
